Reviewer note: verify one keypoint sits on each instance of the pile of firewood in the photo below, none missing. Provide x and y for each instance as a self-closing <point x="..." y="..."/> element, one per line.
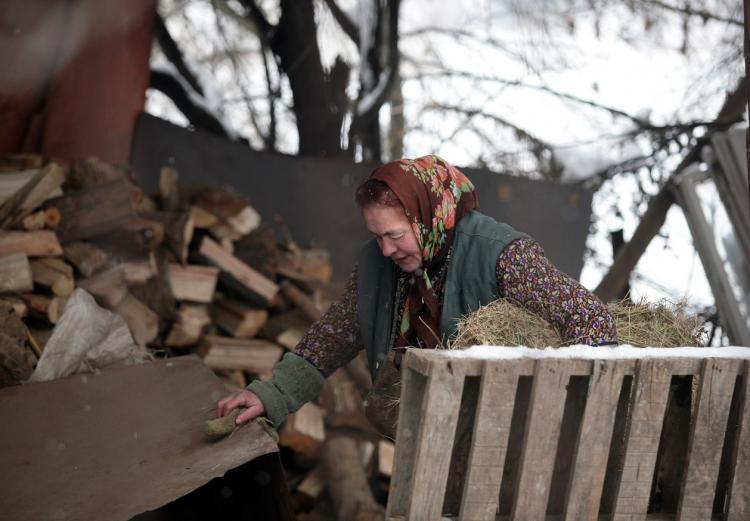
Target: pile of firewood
<point x="191" y="270"/>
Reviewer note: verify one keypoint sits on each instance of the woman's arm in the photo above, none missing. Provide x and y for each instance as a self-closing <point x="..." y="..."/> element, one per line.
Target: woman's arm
<point x="298" y="377"/>
<point x="525" y="275"/>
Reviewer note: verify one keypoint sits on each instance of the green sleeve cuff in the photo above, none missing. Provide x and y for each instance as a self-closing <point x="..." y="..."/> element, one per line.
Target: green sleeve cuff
<point x="295" y="381"/>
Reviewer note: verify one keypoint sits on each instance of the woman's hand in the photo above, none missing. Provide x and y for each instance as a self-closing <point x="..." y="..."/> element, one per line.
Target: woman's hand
<point x="243" y="398"/>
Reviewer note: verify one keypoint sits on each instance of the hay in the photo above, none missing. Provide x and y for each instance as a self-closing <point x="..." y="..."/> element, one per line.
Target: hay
<point x="640" y="324"/>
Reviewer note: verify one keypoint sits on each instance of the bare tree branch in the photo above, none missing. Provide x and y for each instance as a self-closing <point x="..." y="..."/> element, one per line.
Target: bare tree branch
<point x="687" y="10"/>
<point x="197" y="115"/>
<point x="539" y="147"/>
<point x="173" y="54"/>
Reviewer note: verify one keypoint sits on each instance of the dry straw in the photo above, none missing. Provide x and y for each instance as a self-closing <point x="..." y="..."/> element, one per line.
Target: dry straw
<point x="640" y="324"/>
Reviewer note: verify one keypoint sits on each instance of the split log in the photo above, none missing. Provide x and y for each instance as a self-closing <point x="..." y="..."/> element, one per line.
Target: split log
<point x="245" y="221"/>
<point x="97" y="210"/>
<point x="39" y="243"/>
<point x="187" y="330"/>
<point x="223" y="232"/>
<point x="15" y="273"/>
<point x="304" y="431"/>
<point x="202" y="218"/>
<point x="347" y="481"/>
<point x="31" y="195"/>
<point x="193" y="283"/>
<point x="237" y="275"/>
<point x="343" y="403"/>
<point x="310" y="489"/>
<point x="299" y="299"/>
<point x="178" y="232"/>
<point x="108" y="287"/>
<point x="141" y="270"/>
<point x="146" y="233"/>
<point x="142" y="322"/>
<point x="46" y="308"/>
<point x="238" y="319"/>
<point x="252" y="355"/>
<point x="55" y="274"/>
<point x="220" y="201"/>
<point x="86" y="257"/>
<point x="17" y="304"/>
<point x="316" y="263"/>
<point x="286" y="329"/>
<point x="386" y="450"/>
<point x="47" y="218"/>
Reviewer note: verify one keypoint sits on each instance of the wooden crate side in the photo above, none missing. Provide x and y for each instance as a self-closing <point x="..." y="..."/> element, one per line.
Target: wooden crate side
<point x="488" y="450"/>
<point x="548" y="394"/>
<point x="437" y="429"/>
<point x="706" y="439"/>
<point x="739" y="496"/>
<point x="651" y="389"/>
<point x="590" y="460"/>
<point x="412" y="393"/>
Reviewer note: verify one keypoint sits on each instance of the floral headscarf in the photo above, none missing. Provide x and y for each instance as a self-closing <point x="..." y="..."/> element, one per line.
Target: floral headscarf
<point x="435" y="195"/>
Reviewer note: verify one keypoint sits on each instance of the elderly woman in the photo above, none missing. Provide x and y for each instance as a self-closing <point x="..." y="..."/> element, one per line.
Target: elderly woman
<point x="433" y="258"/>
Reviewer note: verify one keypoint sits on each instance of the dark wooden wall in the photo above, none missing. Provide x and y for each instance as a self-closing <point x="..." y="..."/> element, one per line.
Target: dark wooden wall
<point x="315" y="196"/>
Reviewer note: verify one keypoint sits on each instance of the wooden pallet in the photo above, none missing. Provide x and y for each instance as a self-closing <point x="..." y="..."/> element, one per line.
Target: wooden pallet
<point x="546" y="436"/>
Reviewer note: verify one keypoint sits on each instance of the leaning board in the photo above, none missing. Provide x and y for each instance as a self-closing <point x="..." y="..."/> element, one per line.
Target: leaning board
<point x="611" y="443"/>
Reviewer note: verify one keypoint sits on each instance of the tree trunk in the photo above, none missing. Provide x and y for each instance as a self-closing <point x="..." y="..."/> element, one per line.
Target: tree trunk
<point x="317" y="95"/>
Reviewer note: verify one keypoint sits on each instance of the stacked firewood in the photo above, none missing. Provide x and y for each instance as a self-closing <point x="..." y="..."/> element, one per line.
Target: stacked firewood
<point x="191" y="270"/>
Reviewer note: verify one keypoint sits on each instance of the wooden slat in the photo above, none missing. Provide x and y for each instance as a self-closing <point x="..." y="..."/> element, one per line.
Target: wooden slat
<point x="739" y="497"/>
<point x="490" y="440"/>
<point x="437" y="429"/>
<point x="540" y="438"/>
<point x="590" y="463"/>
<point x="412" y="394"/>
<point x="706" y="439"/>
<point x="651" y="389"/>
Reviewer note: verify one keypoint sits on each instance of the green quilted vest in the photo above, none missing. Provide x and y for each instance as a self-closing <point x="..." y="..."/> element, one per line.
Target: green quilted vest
<point x="470" y="282"/>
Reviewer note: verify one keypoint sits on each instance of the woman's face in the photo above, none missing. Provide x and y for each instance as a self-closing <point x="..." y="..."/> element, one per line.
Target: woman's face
<point x="395" y="237"/>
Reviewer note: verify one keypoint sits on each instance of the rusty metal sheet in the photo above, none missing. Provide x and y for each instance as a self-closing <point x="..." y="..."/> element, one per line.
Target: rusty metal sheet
<point x="115" y="443"/>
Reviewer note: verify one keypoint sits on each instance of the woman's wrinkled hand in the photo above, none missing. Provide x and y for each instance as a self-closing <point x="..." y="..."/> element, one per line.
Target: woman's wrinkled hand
<point x="242" y="398"/>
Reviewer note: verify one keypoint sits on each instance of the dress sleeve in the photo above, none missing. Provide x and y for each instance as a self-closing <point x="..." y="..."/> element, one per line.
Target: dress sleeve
<point x="526" y="275"/>
<point x="334" y="339"/>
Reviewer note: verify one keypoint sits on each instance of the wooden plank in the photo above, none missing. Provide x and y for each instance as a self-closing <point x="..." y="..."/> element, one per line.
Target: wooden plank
<point x="38" y="243"/>
<point x="490" y="440"/>
<point x="707" y="439"/>
<point x="239" y="274"/>
<point x="651" y="389"/>
<point x="412" y="394"/>
<point x="546" y="406"/>
<point x="439" y="415"/>
<point x="739" y="496"/>
<point x="15" y="273"/>
<point x="592" y="451"/>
